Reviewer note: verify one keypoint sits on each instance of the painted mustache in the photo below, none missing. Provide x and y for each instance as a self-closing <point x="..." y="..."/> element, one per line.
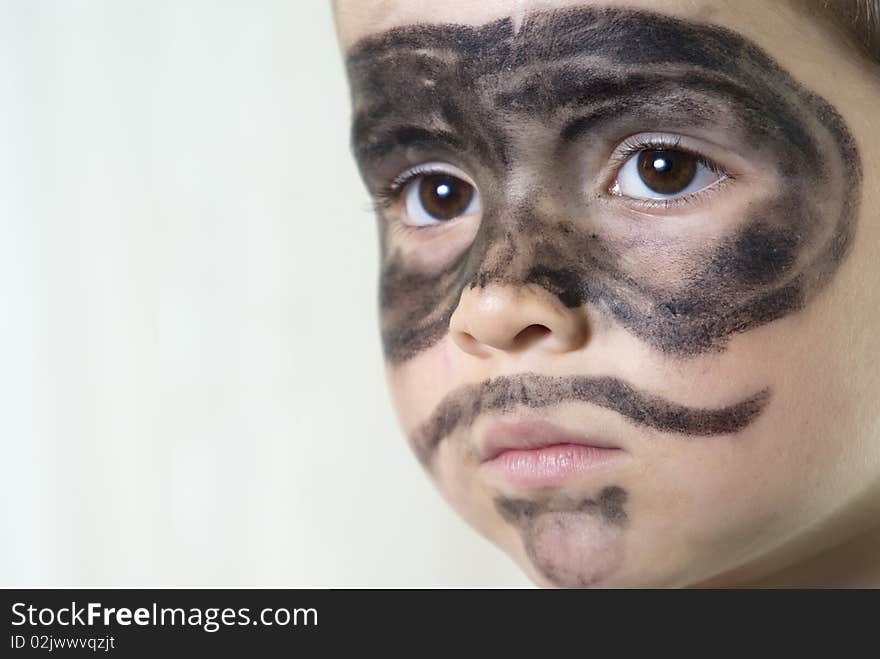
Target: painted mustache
<point x="502" y="394"/>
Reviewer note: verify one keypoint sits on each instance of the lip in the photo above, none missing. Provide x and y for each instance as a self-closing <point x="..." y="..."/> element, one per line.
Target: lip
<point x="537" y="453"/>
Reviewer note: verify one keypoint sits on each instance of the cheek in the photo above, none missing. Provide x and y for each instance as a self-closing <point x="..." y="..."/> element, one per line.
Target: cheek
<point x="706" y="506"/>
<point x="417" y="385"/>
<point x="662" y="253"/>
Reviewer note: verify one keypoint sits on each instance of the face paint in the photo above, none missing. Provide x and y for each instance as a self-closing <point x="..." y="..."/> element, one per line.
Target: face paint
<point x="509" y="101"/>
<point x="574" y="543"/>
<point x="503" y="394"/>
<point x="512" y="107"/>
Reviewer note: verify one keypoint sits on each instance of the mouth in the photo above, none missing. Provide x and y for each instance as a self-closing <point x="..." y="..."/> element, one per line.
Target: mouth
<point x="535" y="453"/>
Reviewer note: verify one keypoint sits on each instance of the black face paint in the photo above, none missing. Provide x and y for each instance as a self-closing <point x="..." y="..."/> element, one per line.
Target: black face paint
<point x="574" y="543"/>
<point x="608" y="505"/>
<point x="503" y="394"/>
<point x="503" y="101"/>
<point x="509" y="107"/>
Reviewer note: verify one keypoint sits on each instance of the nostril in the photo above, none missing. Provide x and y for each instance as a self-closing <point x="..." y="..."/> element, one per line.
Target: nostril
<point x="468" y="343"/>
<point x="531" y="334"/>
<point x="504" y="318"/>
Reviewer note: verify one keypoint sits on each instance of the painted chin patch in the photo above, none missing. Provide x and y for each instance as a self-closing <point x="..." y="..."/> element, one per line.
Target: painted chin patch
<point x="573" y="544"/>
<point x="572" y="549"/>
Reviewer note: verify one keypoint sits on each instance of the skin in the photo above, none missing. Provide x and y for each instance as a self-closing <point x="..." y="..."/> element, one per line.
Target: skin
<point x="726" y="344"/>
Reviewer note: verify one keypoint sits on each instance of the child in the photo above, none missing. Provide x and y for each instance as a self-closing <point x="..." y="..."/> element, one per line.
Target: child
<point x="629" y="279"/>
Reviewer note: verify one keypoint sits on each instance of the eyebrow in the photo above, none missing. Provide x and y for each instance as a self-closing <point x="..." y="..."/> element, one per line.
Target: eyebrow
<point x="582" y="58"/>
<point x="599" y="98"/>
<point x="602" y="99"/>
<point x="371" y="144"/>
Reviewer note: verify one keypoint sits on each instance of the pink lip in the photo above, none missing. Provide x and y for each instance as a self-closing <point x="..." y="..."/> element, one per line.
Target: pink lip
<point x="540" y="454"/>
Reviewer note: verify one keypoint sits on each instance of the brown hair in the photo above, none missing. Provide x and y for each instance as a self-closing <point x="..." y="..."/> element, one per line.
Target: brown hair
<point x="858" y="19"/>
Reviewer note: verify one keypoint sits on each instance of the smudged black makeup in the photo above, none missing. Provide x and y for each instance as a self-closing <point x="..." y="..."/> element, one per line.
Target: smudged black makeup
<point x="608" y="505"/>
<point x="503" y="394"/>
<point x="573" y="542"/>
<point x="506" y="101"/>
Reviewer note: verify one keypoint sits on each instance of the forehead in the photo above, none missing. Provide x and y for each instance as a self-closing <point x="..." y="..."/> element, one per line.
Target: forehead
<point x="356" y="19"/>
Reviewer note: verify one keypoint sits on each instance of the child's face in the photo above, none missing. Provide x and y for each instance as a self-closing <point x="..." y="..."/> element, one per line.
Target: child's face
<point x="629" y="282"/>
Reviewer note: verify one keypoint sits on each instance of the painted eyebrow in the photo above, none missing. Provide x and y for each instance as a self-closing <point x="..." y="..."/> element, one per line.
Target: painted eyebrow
<point x="558" y="84"/>
<point x="602" y="96"/>
<point x="686" y="92"/>
<point x="371" y="144"/>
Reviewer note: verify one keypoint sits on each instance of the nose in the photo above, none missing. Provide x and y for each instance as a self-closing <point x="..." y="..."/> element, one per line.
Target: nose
<point x="513" y="318"/>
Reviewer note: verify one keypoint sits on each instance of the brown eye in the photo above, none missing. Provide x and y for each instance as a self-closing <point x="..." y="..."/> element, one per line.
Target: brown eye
<point x="664" y="173"/>
<point x="435" y="197"/>
<point x="444" y="196"/>
<point x="667" y="171"/>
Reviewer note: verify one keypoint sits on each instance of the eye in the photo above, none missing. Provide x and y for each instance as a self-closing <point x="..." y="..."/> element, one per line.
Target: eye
<point x="664" y="172"/>
<point x="432" y="195"/>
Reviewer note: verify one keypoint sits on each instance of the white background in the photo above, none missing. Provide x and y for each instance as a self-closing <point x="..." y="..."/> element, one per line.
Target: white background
<point x="191" y="383"/>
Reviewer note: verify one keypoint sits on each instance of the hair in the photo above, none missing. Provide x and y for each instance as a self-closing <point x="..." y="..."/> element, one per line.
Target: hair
<point x="859" y="20"/>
